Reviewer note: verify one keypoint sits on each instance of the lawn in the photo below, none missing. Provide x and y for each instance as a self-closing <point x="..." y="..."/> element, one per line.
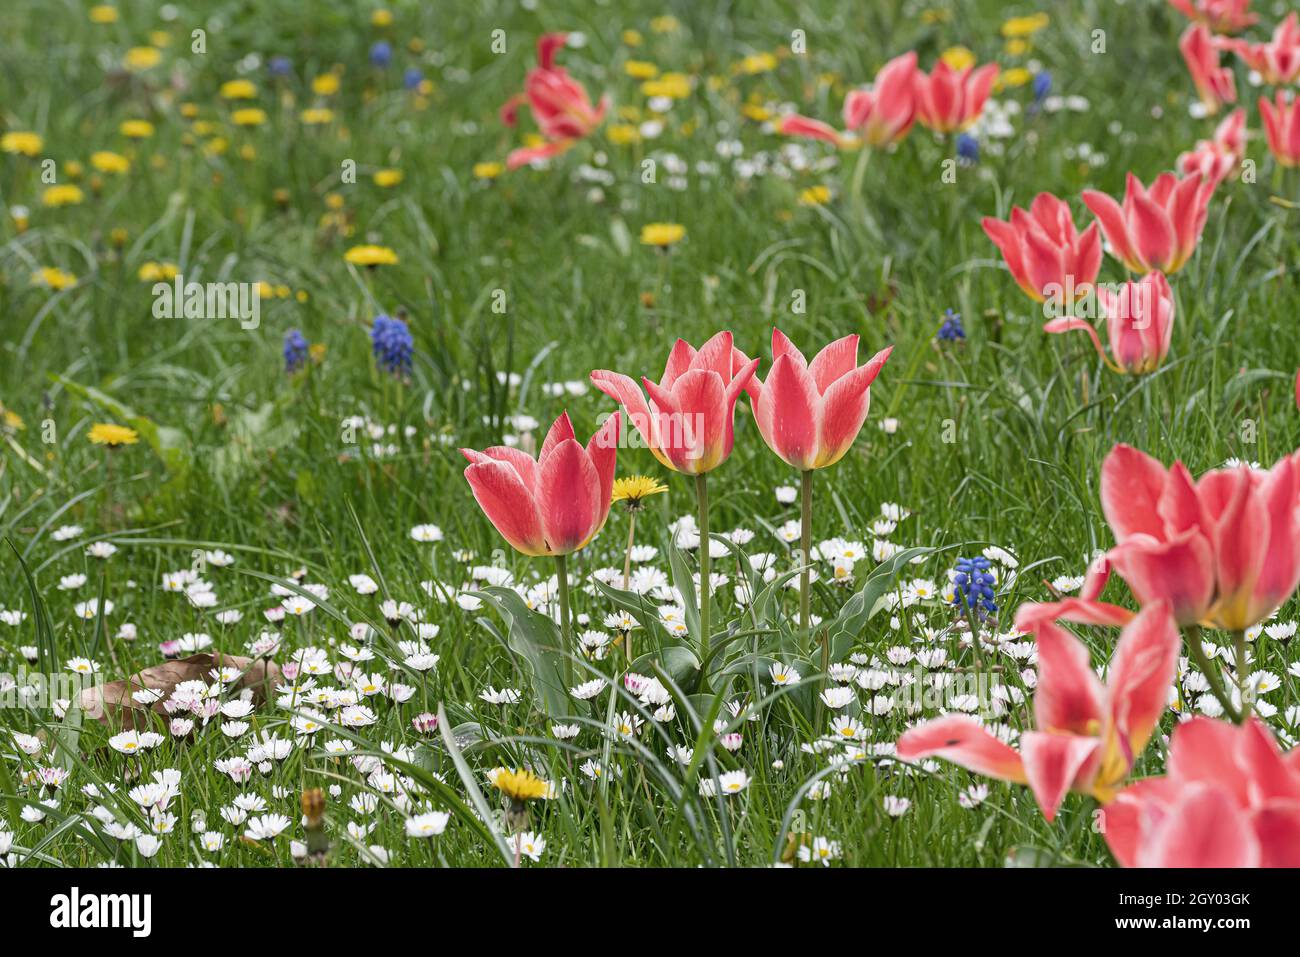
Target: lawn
<point x="388" y="681"/>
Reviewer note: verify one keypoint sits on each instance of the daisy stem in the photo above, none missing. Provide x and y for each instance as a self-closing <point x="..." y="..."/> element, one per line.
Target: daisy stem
<point x="805" y="548"/>
<point x="562" y="576"/>
<point x="1197" y="653"/>
<point x="702" y="496"/>
<point x="1243" y="676"/>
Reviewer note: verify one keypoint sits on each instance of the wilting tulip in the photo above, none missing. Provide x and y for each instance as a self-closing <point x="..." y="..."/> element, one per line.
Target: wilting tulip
<point x="1157" y="228"/>
<point x="1223" y="550"/>
<point x="688" y="421"/>
<point x="1139" y="324"/>
<point x="1046" y="255"/>
<point x="1276" y="61"/>
<point x="560" y="105"/>
<point x="1221" y="16"/>
<point x="1215" y="84"/>
<point x="552" y="505"/>
<point x="1217" y="159"/>
<point x="810" y="413"/>
<point x="1230" y="798"/>
<point x="1087" y="735"/>
<point x="948" y="100"/>
<point x="1282" y="127"/>
<point x="877" y="116"/>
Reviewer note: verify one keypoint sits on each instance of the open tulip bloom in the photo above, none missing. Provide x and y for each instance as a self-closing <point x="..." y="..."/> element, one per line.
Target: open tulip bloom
<point x="554" y="504"/>
<point x="1230" y="798"/>
<point x="1047" y="256"/>
<point x="560" y="105"/>
<point x="879" y="116"/>
<point x="1088" y="735"/>
<point x="688" y="421"/>
<point x="1215" y="84"/>
<point x="1139" y="324"/>
<point x="1157" y="228"/>
<point x="949" y="100"/>
<point x="810" y="413"/>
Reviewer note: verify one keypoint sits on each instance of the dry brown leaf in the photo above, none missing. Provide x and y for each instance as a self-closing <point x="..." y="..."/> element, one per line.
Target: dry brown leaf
<point x="113" y="704"/>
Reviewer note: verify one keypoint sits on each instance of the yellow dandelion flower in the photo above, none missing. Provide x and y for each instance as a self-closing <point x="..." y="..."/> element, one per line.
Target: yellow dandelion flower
<point x="387" y="177"/>
<point x="189" y="110"/>
<point x="250" y="116"/>
<point x="675" y="86"/>
<point x="62" y="195"/>
<point x="316" y="116"/>
<point x="136" y="129"/>
<point x="622" y="134"/>
<point x="160" y="38"/>
<point x="632" y="38"/>
<point x="958" y="58"/>
<point x="11" y="420"/>
<point x="20" y="141"/>
<point x="664" y="24"/>
<point x="20" y="216"/>
<point x="756" y="112"/>
<point x="54" y="278"/>
<point x="74" y="169"/>
<point x="1016" y="47"/>
<point x="327" y="84"/>
<point x="334" y="200"/>
<point x="488" y="170"/>
<point x="157" y="272"/>
<point x="108" y="162"/>
<point x="757" y="63"/>
<point x="141" y="58"/>
<point x="640" y="69"/>
<point x="1025" y="26"/>
<point x="113" y="436"/>
<point x="635" y="488"/>
<point x="369" y="255"/>
<point x="1016" y="76"/>
<point x="662" y="235"/>
<point x="237" y="90"/>
<point x="815" y="196"/>
<point x="381" y="18"/>
<point x="520" y="785"/>
<point x="103" y="13"/>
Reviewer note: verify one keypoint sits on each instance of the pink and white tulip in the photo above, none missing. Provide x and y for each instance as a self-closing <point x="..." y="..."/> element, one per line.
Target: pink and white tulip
<point x="1230" y="798"/>
<point x="1221" y="16"/>
<point x="688" y="421"/>
<point x="554" y="504"/>
<point x="878" y="116"/>
<point x="1157" y="228"/>
<point x="1215" y="84"/>
<point x="1218" y="158"/>
<point x="1277" y="60"/>
<point x="1087" y="735"/>
<point x="1282" y="127"/>
<point x="810" y="413"/>
<point x="949" y="100"/>
<point x="1222" y="550"/>
<point x="1139" y="324"/>
<point x="1047" y="256"/>
<point x="560" y="105"/>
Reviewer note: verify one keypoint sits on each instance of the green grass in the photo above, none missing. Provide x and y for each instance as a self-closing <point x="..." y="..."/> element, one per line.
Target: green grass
<point x="1000" y="437"/>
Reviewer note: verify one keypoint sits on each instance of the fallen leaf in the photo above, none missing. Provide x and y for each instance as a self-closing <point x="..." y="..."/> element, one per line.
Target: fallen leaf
<point x="112" y="703"/>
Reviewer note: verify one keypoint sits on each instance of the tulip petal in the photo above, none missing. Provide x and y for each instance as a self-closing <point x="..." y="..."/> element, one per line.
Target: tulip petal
<point x="1131" y="486"/>
<point x="568" y="497"/>
<point x="1053" y="763"/>
<point x="1142" y="670"/>
<point x="787" y="413"/>
<point x="508" y="505"/>
<point x="964" y="742"/>
<point x="844" y="409"/>
<point x="837" y="359"/>
<point x="1069" y="698"/>
<point x="1203" y="828"/>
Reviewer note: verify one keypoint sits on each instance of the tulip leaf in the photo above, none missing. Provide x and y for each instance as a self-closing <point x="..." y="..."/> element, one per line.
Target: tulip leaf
<point x="632" y="603"/>
<point x="685" y="585"/>
<point x="536" y="639"/>
<point x="859" y="609"/>
<point x="677" y="661"/>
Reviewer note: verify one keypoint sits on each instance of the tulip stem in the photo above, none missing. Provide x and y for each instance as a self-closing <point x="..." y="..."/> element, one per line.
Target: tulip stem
<point x="562" y="575"/>
<point x="1243" y="676"/>
<point x="859" y="172"/>
<point x="1211" y="673"/>
<point x="702" y="497"/>
<point x="805" y="548"/>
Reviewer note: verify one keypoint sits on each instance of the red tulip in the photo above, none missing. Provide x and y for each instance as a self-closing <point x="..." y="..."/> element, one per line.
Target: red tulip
<point x="1139" y="324"/>
<point x="555" y="504"/>
<point x="1215" y="84"/>
<point x="1224" y="551"/>
<point x="1278" y="60"/>
<point x="560" y="105"/>
<point x="877" y="116"/>
<point x="688" y="420"/>
<point x="1221" y="16"/>
<point x="1282" y="127"/>
<point x="809" y="413"/>
<point x="1087" y="735"/>
<point x="1157" y="228"/>
<point x="948" y="100"/>
<point x="1230" y="798"/>
<point x="1046" y="255"/>
<point x="1216" y="159"/>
